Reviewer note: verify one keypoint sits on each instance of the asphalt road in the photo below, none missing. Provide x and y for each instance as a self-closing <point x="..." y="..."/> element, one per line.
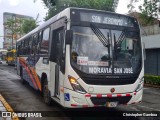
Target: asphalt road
<point x="23" y="98"/>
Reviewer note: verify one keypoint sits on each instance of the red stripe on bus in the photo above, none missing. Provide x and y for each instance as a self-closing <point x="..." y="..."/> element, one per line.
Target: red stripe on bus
<point x="23" y="64"/>
<point x="36" y="78"/>
<point x="128" y="95"/>
<point x="34" y="74"/>
<point x="73" y="105"/>
<point x="119" y="95"/>
<point x="88" y="95"/>
<point x="99" y="95"/>
<point x="109" y="95"/>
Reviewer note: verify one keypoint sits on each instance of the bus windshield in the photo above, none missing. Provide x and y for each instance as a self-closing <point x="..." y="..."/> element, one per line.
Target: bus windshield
<point x="105" y="51"/>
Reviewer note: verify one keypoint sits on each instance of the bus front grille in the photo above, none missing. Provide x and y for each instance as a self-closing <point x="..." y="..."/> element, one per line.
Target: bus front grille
<point x="104" y="100"/>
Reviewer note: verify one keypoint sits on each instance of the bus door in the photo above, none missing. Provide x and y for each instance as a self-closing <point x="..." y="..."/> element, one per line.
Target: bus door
<point x="57" y="56"/>
<point x="59" y="46"/>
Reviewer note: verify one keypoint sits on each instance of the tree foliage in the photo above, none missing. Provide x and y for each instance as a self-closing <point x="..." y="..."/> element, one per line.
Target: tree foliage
<point x="20" y="26"/>
<point x="28" y="25"/>
<point x="94" y="4"/>
<point x="55" y="6"/>
<point x="150" y="9"/>
<point x="11" y="25"/>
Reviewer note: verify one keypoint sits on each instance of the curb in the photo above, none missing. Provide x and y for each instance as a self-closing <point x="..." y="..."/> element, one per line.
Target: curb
<point x="7" y="106"/>
<point x="153" y="86"/>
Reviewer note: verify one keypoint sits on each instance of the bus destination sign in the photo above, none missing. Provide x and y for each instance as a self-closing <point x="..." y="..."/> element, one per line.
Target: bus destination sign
<point x="106" y="19"/>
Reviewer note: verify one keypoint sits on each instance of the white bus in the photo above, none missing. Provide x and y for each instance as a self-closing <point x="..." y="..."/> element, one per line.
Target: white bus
<point x="84" y="58"/>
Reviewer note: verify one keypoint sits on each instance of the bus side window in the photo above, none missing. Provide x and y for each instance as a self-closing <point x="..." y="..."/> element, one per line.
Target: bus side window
<point x="20" y="48"/>
<point x="45" y="42"/>
<point x="35" y="39"/>
<point x="25" y="52"/>
<point x="30" y="45"/>
<point x="26" y="46"/>
<point x="39" y="39"/>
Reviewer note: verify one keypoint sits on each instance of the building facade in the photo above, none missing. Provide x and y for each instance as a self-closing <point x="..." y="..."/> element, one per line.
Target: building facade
<point x="10" y="37"/>
<point x="151" y="38"/>
<point x="150" y="35"/>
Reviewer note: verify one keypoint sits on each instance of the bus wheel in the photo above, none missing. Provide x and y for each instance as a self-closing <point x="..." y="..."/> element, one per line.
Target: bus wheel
<point x="46" y="93"/>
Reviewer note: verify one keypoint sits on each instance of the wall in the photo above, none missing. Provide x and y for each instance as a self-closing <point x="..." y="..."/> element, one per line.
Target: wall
<point x="152" y="46"/>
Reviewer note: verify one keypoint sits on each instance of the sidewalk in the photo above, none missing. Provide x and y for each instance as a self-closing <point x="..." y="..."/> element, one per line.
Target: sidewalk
<point x="5" y="110"/>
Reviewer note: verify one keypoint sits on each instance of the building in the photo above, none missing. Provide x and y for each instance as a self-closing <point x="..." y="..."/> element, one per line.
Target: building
<point x="9" y="37"/>
<point x="151" y="38"/>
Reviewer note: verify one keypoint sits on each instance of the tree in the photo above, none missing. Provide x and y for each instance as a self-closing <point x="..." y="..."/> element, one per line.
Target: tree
<point x="150" y="9"/>
<point x="12" y="26"/>
<point x="94" y="4"/>
<point x="55" y="6"/>
<point x="50" y="3"/>
<point x="28" y="25"/>
<point x="19" y="27"/>
<point x="131" y="5"/>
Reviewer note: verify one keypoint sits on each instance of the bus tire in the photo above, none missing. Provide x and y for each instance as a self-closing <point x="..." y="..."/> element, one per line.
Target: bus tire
<point x="46" y="93"/>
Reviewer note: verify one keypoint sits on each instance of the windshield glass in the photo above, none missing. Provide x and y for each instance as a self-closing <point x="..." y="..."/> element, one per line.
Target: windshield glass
<point x="105" y="51"/>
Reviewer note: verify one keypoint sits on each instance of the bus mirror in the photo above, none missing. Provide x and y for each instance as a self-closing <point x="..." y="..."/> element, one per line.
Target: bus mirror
<point x="69" y="36"/>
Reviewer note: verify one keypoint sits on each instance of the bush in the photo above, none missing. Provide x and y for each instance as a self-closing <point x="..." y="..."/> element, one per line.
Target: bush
<point x="151" y="79"/>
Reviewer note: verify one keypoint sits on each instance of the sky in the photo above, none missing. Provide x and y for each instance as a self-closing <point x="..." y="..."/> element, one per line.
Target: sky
<point x="23" y="7"/>
<point x="29" y="8"/>
<point x="122" y="6"/>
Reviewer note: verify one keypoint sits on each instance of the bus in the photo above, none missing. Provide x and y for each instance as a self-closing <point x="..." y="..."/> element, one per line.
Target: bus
<point x="11" y="57"/>
<point x="2" y="55"/>
<point x="84" y="58"/>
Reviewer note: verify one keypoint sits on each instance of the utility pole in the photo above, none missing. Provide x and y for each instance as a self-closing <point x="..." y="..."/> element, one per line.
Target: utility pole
<point x="12" y="34"/>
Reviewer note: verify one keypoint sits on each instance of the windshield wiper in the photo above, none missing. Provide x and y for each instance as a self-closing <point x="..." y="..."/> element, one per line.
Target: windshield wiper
<point x="100" y="35"/>
<point x="120" y="39"/>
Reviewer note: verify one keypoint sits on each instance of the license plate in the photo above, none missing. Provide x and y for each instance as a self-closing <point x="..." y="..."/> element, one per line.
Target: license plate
<point x="111" y="104"/>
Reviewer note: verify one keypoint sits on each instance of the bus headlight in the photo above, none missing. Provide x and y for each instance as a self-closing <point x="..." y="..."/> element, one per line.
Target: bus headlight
<point x="140" y="85"/>
<point x="75" y="85"/>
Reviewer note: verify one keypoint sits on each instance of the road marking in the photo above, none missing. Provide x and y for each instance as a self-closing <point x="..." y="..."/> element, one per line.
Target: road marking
<point x="148" y="107"/>
<point x="7" y="106"/>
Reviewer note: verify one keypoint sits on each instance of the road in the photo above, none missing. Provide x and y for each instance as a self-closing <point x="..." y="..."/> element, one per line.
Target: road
<point x="22" y="97"/>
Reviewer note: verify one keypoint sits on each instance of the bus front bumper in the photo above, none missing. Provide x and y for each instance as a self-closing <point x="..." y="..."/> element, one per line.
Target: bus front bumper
<point x="74" y="99"/>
